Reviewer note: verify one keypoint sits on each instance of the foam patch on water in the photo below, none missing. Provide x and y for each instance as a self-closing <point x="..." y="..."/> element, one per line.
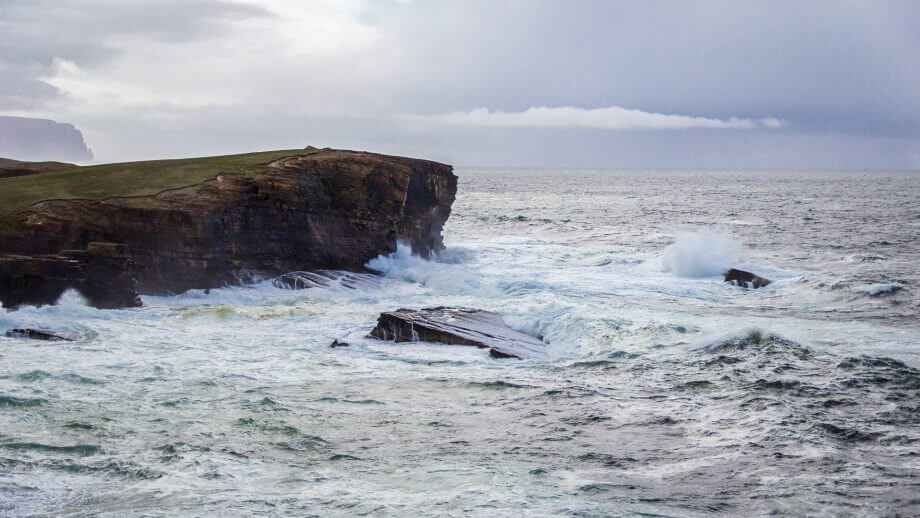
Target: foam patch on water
<point x="703" y="253"/>
<point x="878" y="289"/>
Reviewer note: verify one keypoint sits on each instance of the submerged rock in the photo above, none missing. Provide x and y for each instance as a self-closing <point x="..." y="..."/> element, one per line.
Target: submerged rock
<point x="214" y="221"/>
<point x="458" y="326"/>
<point x="745" y="279"/>
<point x="336" y="343"/>
<point x="36" y="334"/>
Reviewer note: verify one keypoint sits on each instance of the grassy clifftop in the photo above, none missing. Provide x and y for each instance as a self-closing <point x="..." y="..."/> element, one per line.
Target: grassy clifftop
<point x="147" y="178"/>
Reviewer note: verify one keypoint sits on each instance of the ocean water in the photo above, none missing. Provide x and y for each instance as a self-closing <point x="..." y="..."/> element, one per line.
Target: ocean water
<point x="667" y="392"/>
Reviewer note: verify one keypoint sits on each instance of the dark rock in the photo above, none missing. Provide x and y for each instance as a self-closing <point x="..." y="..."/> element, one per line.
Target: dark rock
<point x="336" y="343"/>
<point x="36" y="334"/>
<point x="105" y="281"/>
<point x="458" y="326"/>
<point x="745" y="279"/>
<point x="325" y="210"/>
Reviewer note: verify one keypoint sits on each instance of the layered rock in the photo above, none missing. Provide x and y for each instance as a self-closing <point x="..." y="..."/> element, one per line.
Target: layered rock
<point x="323" y="210"/>
<point x="458" y="326"/>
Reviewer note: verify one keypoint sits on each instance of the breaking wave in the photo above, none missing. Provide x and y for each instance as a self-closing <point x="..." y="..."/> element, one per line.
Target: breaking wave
<point x="702" y="253"/>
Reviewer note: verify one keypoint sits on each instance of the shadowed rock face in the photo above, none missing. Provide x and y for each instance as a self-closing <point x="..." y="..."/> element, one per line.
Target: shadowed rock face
<point x="745" y="279"/>
<point x="328" y="210"/>
<point x="458" y="326"/>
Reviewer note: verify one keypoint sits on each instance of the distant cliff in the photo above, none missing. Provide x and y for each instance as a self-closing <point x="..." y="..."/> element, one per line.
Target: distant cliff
<point x="115" y="231"/>
<point x="41" y="139"/>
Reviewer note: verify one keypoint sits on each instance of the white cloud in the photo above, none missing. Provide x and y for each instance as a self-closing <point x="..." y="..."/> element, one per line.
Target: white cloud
<point x="291" y="57"/>
<point x="772" y="122"/>
<point x="610" y="118"/>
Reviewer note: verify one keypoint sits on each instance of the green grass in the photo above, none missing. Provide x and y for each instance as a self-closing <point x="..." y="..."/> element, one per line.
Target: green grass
<point x="17" y="194"/>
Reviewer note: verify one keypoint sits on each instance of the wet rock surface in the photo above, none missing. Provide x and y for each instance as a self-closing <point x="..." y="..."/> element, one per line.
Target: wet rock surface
<point x="458" y="326"/>
<point x="36" y="334"/>
<point x="326" y="279"/>
<point x="745" y="279"/>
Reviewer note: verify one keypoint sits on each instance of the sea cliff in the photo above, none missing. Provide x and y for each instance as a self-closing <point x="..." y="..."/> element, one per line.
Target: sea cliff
<point x="117" y="231"/>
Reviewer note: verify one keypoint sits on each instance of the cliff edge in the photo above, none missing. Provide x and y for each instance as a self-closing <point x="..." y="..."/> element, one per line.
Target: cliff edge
<point x="119" y="230"/>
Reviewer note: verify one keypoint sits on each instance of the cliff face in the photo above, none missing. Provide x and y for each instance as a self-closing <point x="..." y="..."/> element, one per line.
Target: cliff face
<point x="22" y="138"/>
<point x="331" y="209"/>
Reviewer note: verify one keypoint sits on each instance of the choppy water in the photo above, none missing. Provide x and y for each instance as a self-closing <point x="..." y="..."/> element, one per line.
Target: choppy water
<point x="668" y="392"/>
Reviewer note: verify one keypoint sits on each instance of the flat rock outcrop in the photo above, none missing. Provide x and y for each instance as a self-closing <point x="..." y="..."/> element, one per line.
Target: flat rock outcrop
<point x="458" y="326"/>
<point x="745" y="279"/>
<point x="313" y="210"/>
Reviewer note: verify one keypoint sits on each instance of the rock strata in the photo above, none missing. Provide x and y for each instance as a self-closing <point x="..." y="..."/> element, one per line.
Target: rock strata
<point x="458" y="326"/>
<point x="745" y="279"/>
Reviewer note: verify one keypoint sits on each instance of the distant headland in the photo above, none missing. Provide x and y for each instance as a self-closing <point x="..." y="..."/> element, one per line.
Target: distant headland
<point x="23" y="138"/>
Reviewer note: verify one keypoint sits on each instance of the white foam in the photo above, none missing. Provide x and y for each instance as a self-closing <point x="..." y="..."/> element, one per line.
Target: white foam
<point x="703" y="253"/>
<point x="874" y="290"/>
<point x="447" y="277"/>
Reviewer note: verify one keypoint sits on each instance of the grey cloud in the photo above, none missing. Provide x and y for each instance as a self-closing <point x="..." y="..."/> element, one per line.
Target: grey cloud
<point x="711" y="59"/>
<point x="37" y="31"/>
<point x="841" y="74"/>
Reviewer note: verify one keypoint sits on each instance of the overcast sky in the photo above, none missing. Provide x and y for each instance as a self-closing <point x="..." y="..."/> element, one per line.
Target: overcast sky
<point x="766" y="84"/>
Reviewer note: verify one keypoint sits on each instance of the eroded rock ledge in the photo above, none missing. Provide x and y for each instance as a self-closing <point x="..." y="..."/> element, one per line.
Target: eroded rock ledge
<point x="458" y="326"/>
<point x="323" y="209"/>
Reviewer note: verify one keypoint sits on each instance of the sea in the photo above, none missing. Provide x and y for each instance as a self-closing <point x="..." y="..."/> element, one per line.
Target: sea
<point x="666" y="391"/>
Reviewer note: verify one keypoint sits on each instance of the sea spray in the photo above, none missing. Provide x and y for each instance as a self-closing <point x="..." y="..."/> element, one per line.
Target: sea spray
<point x="447" y="277"/>
<point x="703" y="253"/>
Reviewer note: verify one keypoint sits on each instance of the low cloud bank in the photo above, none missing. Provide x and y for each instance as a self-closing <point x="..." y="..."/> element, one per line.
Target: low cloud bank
<point x="610" y="118"/>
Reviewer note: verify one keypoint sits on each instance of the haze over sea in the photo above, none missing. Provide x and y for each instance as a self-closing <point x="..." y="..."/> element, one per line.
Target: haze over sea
<point x="668" y="392"/>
